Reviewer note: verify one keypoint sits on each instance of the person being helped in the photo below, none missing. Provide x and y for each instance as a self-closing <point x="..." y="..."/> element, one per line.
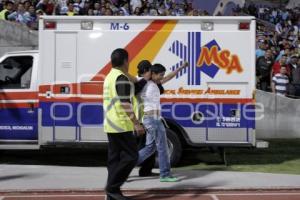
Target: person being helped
<point x="144" y="73"/>
<point x="120" y="123"/>
<point x="156" y="139"/>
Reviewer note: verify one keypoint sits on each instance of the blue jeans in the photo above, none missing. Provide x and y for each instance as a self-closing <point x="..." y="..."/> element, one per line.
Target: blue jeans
<point x="156" y="139"/>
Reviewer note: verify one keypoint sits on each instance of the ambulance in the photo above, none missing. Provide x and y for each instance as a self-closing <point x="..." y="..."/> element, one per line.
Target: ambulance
<point x="53" y="96"/>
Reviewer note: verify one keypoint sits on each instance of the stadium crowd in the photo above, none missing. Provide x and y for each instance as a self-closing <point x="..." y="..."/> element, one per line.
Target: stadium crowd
<point x="278" y="44"/>
<point x="278" y="49"/>
<point x="27" y="12"/>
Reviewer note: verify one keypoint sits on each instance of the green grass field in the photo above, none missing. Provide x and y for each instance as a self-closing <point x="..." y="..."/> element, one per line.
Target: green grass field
<point x="282" y="156"/>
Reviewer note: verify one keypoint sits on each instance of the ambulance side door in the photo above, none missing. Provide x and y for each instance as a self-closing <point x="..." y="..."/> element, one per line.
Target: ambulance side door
<point x="18" y="99"/>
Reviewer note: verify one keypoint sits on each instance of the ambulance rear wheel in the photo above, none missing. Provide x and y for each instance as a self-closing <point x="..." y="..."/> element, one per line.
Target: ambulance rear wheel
<point x="175" y="148"/>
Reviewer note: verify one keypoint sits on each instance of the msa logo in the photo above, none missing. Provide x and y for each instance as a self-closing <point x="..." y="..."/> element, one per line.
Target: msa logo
<point x="208" y="59"/>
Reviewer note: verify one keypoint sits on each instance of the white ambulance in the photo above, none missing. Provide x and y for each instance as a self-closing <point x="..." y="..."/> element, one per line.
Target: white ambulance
<point x="53" y="96"/>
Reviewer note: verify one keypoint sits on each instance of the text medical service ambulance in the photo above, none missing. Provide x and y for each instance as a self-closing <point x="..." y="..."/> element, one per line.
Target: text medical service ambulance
<point x="54" y="96"/>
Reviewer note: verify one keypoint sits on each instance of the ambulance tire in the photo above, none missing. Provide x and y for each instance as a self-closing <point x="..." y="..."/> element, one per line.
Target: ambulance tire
<point x="175" y="148"/>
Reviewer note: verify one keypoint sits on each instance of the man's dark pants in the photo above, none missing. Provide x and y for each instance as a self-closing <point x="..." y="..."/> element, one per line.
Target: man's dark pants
<point x="122" y="158"/>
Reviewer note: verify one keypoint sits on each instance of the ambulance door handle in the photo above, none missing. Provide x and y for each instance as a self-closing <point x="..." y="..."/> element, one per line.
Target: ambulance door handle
<point x="31" y="108"/>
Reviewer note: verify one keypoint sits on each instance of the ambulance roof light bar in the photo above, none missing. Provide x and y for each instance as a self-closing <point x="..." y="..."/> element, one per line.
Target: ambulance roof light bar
<point x="87" y="25"/>
<point x="207" y="26"/>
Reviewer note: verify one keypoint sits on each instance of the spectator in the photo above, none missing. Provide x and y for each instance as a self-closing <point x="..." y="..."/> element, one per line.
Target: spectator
<point x="295" y="76"/>
<point x="261" y="49"/>
<point x="62" y="3"/>
<point x="27" y="5"/>
<point x="273" y="40"/>
<point x="135" y="4"/>
<point x="125" y="9"/>
<point x="97" y="7"/>
<point x="121" y="13"/>
<point x="81" y="7"/>
<point x="108" y="12"/>
<point x="85" y="9"/>
<point x="46" y="6"/>
<point x="285" y="15"/>
<point x="261" y="12"/>
<point x="77" y="6"/>
<point x="285" y="51"/>
<point x="20" y="15"/>
<point x="103" y="10"/>
<point x="161" y="9"/>
<point x="8" y="8"/>
<point x="263" y="67"/>
<point x="137" y="11"/>
<point x="145" y="12"/>
<point x="279" y="28"/>
<point x="281" y="63"/>
<point x="90" y="12"/>
<point x="2" y="5"/>
<point x="71" y="11"/>
<point x="274" y="16"/>
<point x="280" y="82"/>
<point x="33" y="23"/>
<point x="63" y="6"/>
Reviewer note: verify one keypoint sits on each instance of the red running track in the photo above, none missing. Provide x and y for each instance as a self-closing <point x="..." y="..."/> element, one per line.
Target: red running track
<point x="158" y="195"/>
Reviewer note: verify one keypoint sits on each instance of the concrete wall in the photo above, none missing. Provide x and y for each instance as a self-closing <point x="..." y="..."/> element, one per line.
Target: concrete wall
<point x="16" y="37"/>
<point x="281" y="116"/>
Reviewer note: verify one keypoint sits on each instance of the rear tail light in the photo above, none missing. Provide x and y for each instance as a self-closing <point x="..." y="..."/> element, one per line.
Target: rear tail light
<point x="50" y="25"/>
<point x="244" y="26"/>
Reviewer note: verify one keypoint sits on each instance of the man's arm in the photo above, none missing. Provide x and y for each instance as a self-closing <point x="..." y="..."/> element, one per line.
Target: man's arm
<point x="273" y="84"/>
<point x="12" y="16"/>
<point x="123" y="87"/>
<point x="173" y="74"/>
<point x="271" y="76"/>
<point x="6" y="15"/>
<point x="161" y="88"/>
<point x="131" y="78"/>
<point x="138" y="84"/>
<point x="273" y="87"/>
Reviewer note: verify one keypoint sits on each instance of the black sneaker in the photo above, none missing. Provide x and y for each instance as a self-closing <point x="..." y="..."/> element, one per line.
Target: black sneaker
<point x="115" y="196"/>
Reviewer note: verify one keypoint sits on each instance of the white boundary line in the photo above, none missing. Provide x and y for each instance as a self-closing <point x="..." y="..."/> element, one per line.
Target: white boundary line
<point x="214" y="197"/>
<point x="257" y="194"/>
<point x="54" y="195"/>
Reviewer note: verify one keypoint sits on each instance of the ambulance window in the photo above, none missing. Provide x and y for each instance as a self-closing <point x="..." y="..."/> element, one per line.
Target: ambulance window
<point x="15" y="72"/>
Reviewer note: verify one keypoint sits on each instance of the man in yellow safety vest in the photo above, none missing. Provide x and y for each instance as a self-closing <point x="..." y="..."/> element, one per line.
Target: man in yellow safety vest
<point x="8" y="7"/>
<point x="120" y="123"/>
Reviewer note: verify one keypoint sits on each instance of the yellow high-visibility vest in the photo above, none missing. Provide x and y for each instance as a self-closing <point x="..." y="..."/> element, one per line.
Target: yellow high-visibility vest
<point x="3" y="13"/>
<point x="116" y="120"/>
<point x="70" y="14"/>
